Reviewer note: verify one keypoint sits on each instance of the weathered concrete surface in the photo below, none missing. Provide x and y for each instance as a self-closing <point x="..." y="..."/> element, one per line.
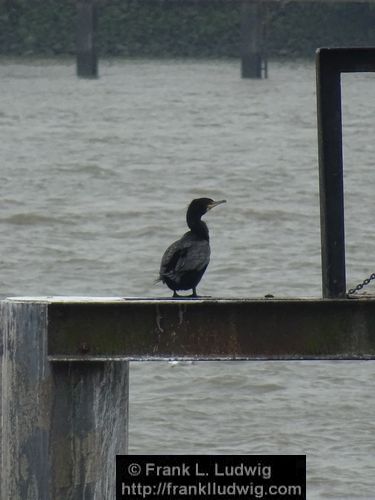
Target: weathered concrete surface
<point x="211" y="329"/>
<point x="64" y="423"/>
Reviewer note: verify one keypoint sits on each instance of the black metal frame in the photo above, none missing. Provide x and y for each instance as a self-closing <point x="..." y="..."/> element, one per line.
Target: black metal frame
<point x="330" y="63"/>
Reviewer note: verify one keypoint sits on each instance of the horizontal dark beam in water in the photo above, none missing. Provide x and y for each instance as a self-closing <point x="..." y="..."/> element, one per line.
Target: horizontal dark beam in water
<point x="95" y="329"/>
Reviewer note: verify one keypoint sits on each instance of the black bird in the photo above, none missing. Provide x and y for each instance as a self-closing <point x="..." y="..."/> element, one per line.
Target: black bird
<point x="185" y="261"/>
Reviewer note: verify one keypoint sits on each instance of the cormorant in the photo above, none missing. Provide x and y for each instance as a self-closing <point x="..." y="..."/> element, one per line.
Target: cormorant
<point x="185" y="261"/>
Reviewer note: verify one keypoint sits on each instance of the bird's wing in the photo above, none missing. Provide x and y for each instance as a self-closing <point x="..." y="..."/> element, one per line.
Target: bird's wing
<point x="186" y="254"/>
<point x="196" y="257"/>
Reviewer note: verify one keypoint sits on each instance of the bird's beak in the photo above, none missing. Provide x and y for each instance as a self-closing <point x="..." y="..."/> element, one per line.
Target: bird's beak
<point x="215" y="203"/>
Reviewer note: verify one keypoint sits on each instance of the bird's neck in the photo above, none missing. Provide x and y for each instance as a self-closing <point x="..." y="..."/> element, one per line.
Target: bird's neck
<point x="199" y="228"/>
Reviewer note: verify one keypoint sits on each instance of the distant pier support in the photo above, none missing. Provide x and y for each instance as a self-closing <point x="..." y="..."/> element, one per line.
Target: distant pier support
<point x="253" y="56"/>
<point x="87" y="59"/>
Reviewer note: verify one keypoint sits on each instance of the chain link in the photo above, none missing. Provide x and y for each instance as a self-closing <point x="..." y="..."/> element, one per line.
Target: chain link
<point x="361" y="285"/>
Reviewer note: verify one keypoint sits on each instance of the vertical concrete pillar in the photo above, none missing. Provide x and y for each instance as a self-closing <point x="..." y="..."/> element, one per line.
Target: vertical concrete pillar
<point x="252" y="40"/>
<point x="87" y="60"/>
<point x="63" y="422"/>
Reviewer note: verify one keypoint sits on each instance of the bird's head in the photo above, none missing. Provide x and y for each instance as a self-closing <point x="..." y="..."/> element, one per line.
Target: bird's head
<point x="200" y="206"/>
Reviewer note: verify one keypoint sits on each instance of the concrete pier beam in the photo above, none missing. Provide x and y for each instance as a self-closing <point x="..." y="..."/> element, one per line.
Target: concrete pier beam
<point x="65" y="371"/>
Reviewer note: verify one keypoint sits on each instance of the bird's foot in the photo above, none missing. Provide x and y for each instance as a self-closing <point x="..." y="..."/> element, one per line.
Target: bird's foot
<point x="192" y="296"/>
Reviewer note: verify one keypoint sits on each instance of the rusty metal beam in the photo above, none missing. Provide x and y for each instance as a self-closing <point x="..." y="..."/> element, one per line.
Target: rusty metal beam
<point x="89" y="329"/>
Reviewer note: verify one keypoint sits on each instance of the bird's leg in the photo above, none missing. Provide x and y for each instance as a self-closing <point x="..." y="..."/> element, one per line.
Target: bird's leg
<point x="194" y="295"/>
<point x="175" y="294"/>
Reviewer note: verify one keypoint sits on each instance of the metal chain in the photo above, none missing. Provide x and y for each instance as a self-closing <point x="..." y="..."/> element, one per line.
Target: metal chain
<point x="361" y="285"/>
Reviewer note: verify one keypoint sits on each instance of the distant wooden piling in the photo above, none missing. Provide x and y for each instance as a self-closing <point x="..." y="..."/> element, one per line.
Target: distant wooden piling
<point x="87" y="59"/>
<point x="62" y="424"/>
<point x="253" y="56"/>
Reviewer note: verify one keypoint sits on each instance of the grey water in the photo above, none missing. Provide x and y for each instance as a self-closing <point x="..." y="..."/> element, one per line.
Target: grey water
<point x="95" y="177"/>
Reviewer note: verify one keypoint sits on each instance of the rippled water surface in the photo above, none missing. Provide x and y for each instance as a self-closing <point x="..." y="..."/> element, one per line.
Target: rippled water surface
<point x="95" y="177"/>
